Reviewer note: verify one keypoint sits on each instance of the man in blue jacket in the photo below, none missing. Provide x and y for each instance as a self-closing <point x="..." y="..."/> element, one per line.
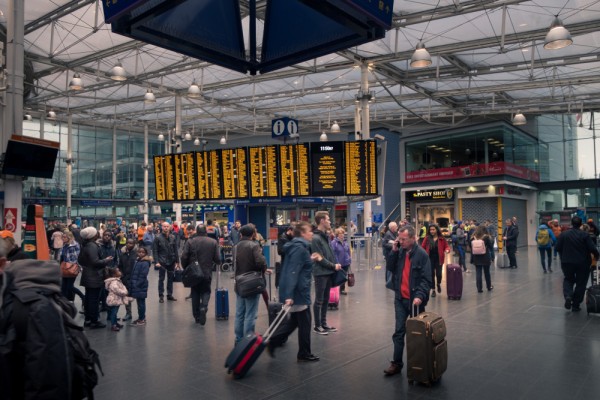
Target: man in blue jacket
<point x="545" y="239"/>
<point x="575" y="248"/>
<point x="294" y="288"/>
<point x="411" y="280"/>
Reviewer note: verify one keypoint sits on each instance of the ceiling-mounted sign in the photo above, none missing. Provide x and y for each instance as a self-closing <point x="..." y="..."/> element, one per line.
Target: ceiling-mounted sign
<point x="429" y="195"/>
<point x="284" y="127"/>
<point x="113" y="9"/>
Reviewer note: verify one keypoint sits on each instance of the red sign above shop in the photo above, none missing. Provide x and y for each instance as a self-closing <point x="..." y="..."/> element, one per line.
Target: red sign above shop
<point x="469" y="171"/>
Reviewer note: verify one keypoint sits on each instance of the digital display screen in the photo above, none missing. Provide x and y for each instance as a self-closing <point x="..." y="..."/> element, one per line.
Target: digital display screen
<point x="185" y="176"/>
<point x="361" y="167"/>
<point x="327" y="164"/>
<point x="208" y="173"/>
<point x="30" y="157"/>
<point x="294" y="165"/>
<point x="235" y="173"/>
<point x="164" y="178"/>
<point x="263" y="168"/>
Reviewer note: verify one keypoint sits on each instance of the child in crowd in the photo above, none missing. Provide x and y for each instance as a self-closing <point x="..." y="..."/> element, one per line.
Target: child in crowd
<point x="138" y="284"/>
<point x="117" y="295"/>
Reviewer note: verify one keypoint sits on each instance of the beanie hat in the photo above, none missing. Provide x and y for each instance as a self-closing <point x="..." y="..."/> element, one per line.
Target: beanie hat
<point x="89" y="233"/>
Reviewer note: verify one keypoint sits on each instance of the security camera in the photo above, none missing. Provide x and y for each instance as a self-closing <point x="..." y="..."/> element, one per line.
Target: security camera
<point x="379" y="137"/>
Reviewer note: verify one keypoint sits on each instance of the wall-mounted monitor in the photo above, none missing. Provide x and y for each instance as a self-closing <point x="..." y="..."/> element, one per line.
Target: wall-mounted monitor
<point x="26" y="156"/>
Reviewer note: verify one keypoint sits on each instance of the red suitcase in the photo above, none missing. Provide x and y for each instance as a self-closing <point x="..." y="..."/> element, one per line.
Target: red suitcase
<point x="454" y="281"/>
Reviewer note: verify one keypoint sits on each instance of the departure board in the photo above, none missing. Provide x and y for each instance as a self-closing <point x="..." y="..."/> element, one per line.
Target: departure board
<point x="185" y="176"/>
<point x="361" y="167"/>
<point x="327" y="165"/>
<point x="164" y="178"/>
<point x="235" y="173"/>
<point x="294" y="170"/>
<point x="208" y="175"/>
<point x="263" y="168"/>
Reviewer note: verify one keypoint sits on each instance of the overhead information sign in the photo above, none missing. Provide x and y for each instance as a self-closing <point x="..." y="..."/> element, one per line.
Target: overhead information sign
<point x="164" y="178"/>
<point x="327" y="164"/>
<point x="208" y="172"/>
<point x="185" y="176"/>
<point x="294" y="164"/>
<point x="235" y="173"/>
<point x="361" y="167"/>
<point x="264" y="171"/>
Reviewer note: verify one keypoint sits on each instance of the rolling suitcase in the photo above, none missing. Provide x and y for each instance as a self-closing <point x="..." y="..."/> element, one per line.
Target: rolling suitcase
<point x="221" y="300"/>
<point x="426" y="348"/>
<point x="334" y="298"/>
<point x="454" y="281"/>
<point x="592" y="294"/>
<point x="246" y="351"/>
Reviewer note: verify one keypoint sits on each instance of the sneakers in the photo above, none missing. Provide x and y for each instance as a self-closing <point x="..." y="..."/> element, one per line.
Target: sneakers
<point x="320" y="330"/>
<point x="308" y="358"/>
<point x="343" y="292"/>
<point x="139" y="322"/>
<point x="329" y="328"/>
<point x="171" y="298"/>
<point x="161" y="300"/>
<point x="127" y="317"/>
<point x="393" y="369"/>
<point x="568" y="303"/>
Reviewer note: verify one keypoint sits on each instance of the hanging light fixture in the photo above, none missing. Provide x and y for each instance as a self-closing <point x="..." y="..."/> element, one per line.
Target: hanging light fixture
<point x="335" y="128"/>
<point x="421" y="57"/>
<point x="117" y="73"/>
<point x="149" y="97"/>
<point x="76" y="83"/>
<point x="194" y="91"/>
<point x="188" y="136"/>
<point x="323" y="137"/>
<point x="51" y="115"/>
<point x="223" y="140"/>
<point x="519" y="119"/>
<point x="27" y="117"/>
<point x="161" y="137"/>
<point x="558" y="36"/>
<point x="196" y="142"/>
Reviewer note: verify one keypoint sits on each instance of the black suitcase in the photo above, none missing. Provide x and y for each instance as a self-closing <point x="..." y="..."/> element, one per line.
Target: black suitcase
<point x="221" y="300"/>
<point x="274" y="307"/>
<point x="426" y="348"/>
<point x="592" y="294"/>
<point x="246" y="351"/>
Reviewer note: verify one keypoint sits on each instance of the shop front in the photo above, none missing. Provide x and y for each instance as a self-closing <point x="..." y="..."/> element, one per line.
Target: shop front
<point x="434" y="206"/>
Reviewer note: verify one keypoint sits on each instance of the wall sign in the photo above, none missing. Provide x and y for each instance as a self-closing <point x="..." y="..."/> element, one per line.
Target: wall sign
<point x="429" y="195"/>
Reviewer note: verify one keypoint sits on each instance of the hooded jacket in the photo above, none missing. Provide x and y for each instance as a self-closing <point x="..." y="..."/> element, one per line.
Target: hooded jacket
<point x="138" y="283"/>
<point x="550" y="233"/>
<point x="117" y="292"/>
<point x="296" y="272"/>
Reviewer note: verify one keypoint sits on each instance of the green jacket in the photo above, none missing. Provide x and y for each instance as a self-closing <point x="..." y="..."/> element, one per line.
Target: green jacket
<point x="320" y="244"/>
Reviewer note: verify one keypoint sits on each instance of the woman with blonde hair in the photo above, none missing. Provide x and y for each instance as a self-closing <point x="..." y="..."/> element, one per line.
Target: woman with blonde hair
<point x="341" y="250"/>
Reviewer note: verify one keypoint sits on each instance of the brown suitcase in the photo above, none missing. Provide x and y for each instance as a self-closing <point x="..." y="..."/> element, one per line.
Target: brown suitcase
<point x="426" y="348"/>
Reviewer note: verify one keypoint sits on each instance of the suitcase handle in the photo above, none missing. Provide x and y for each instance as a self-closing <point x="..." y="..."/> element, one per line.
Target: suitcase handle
<point x="415" y="309"/>
<point x="276" y="322"/>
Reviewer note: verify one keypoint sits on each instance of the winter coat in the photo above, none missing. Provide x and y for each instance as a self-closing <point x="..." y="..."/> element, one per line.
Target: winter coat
<point x="511" y="233"/>
<point x="126" y="261"/>
<point x="117" y="292"/>
<point x="550" y="233"/>
<point x="320" y="244"/>
<point x="296" y="272"/>
<point x="92" y="265"/>
<point x="148" y="238"/>
<point x="203" y="249"/>
<point x="70" y="252"/>
<point x="576" y="247"/>
<point x="483" y="259"/>
<point x="420" y="273"/>
<point x="248" y="257"/>
<point x="109" y="250"/>
<point x="165" y="251"/>
<point x="138" y="282"/>
<point x="17" y="253"/>
<point x="386" y="245"/>
<point x="341" y="251"/>
<point x="442" y="247"/>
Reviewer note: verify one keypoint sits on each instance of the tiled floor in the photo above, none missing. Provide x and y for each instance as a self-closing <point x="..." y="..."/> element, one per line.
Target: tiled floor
<point x="517" y="342"/>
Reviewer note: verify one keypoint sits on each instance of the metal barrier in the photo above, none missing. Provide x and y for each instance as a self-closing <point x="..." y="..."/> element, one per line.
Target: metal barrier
<point x="366" y="252"/>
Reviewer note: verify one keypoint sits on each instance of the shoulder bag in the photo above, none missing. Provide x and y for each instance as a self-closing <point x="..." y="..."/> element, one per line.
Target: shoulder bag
<point x="69" y="270"/>
<point x="351" y="278"/>
<point x="192" y="275"/>
<point x="339" y="277"/>
<point x="250" y="284"/>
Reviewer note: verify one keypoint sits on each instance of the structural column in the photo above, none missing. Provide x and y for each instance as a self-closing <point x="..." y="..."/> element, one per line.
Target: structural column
<point x="365" y="129"/>
<point x="69" y="162"/>
<point x="146" y="167"/>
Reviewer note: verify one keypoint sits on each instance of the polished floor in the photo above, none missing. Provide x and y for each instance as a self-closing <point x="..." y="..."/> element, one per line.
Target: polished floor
<point x="516" y="342"/>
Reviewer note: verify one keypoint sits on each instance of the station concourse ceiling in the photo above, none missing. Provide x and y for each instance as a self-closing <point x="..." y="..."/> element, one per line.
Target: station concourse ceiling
<point x="488" y="62"/>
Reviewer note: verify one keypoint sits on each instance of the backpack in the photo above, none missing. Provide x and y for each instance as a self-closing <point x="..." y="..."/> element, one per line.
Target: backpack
<point x="82" y="359"/>
<point x="211" y="231"/>
<point x="543" y="237"/>
<point x="478" y="247"/>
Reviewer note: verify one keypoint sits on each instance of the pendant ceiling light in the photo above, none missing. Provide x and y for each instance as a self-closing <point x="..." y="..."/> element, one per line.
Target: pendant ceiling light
<point x="161" y="137"/>
<point x="76" y="83"/>
<point x="194" y="91"/>
<point x="421" y="57"/>
<point x="519" y="119"/>
<point x="188" y="136"/>
<point x="335" y="128"/>
<point x="196" y="142"/>
<point x="223" y="140"/>
<point x="323" y="137"/>
<point x="51" y="115"/>
<point x="118" y="73"/>
<point x="149" y="97"/>
<point x="558" y="36"/>
<point x="27" y="117"/>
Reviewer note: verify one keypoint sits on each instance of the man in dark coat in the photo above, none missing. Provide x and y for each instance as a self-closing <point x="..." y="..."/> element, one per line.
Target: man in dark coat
<point x="126" y="262"/>
<point x="575" y="248"/>
<point x="511" y="233"/>
<point x="166" y="255"/>
<point x="205" y="251"/>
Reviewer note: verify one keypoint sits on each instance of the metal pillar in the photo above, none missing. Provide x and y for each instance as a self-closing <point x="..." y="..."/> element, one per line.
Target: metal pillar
<point x="146" y="168"/>
<point x="69" y="162"/>
<point x="177" y="206"/>
<point x="365" y="129"/>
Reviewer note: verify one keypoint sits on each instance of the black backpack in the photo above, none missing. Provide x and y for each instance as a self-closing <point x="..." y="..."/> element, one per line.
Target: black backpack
<point x="82" y="359"/>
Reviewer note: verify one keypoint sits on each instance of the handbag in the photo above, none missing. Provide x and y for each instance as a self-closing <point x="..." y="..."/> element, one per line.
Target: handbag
<point x="250" y="284"/>
<point x="178" y="275"/>
<point x="339" y="277"/>
<point x="69" y="270"/>
<point x="351" y="278"/>
<point x="192" y="275"/>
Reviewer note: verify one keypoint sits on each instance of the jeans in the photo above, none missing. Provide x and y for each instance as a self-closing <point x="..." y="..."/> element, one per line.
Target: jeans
<point x="555" y="251"/>
<point x="436" y="271"/>
<point x="511" y="250"/>
<point x="200" y="298"/>
<point x="112" y="314"/>
<point x="488" y="278"/>
<point x="300" y="320"/>
<point x="141" y="306"/>
<point x="402" y="309"/>
<point x="246" y="309"/>
<point x="461" y="256"/>
<point x="322" y="288"/>
<point x="543" y="253"/>
<point x="492" y="254"/>
<point x="92" y="298"/>
<point x="161" y="280"/>
<point x="576" y="276"/>
<point x="66" y="287"/>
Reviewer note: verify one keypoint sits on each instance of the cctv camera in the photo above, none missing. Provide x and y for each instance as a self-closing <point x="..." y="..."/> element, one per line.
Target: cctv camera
<point x="380" y="137"/>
